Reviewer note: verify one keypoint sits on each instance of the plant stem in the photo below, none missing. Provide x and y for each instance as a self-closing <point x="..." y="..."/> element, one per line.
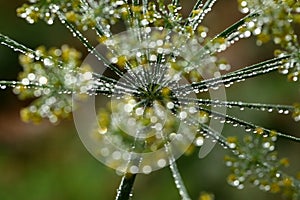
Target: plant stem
<point x="125" y="188"/>
<point x="178" y="180"/>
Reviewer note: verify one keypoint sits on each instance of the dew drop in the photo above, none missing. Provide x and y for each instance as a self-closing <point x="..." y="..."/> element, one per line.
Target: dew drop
<point x="25" y="81"/>
<point x="244" y="3"/>
<point x="199" y="141"/>
<point x="116" y="155"/>
<point x="147" y="169"/>
<point x="232" y="145"/>
<point x="48" y="62"/>
<point x="266" y="145"/>
<point x="134" y="169"/>
<point x="43" y="80"/>
<point x="228" y="163"/>
<point x="235" y="183"/>
<point x="31" y="76"/>
<point x="283" y="70"/>
<point x="161" y="162"/>
<point x="241" y="186"/>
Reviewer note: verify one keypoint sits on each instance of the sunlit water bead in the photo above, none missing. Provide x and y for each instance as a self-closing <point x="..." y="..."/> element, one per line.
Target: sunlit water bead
<point x="243" y="6"/>
<point x="284" y="69"/>
<point x="199" y="141"/>
<point x="294" y="76"/>
<point x="48" y="62"/>
<point x="236" y="181"/>
<point x="244" y="33"/>
<point x="29" y="13"/>
<point x="2" y="86"/>
<point x="54" y="8"/>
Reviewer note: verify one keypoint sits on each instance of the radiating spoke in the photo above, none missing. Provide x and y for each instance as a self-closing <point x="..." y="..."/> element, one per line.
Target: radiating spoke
<point x="234" y="77"/>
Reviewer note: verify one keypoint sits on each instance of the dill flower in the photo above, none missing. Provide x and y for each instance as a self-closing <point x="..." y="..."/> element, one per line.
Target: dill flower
<point x="154" y="76"/>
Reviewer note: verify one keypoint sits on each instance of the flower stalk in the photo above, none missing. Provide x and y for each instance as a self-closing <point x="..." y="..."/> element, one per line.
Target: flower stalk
<point x="124" y="191"/>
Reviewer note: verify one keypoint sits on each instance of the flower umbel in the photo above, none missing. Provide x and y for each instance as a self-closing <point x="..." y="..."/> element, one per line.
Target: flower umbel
<point x="164" y="82"/>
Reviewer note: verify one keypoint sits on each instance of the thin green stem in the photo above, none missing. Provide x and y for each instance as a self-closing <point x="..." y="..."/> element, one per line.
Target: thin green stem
<point x="197" y="6"/>
<point x="178" y="181"/>
<point x="233" y="28"/>
<point x="125" y="188"/>
<point x="4" y="40"/>
<point x="248" y="126"/>
<point x="175" y="172"/>
<point x="205" y="9"/>
<point x="238" y="104"/>
<point x="238" y="75"/>
<point x="29" y="85"/>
